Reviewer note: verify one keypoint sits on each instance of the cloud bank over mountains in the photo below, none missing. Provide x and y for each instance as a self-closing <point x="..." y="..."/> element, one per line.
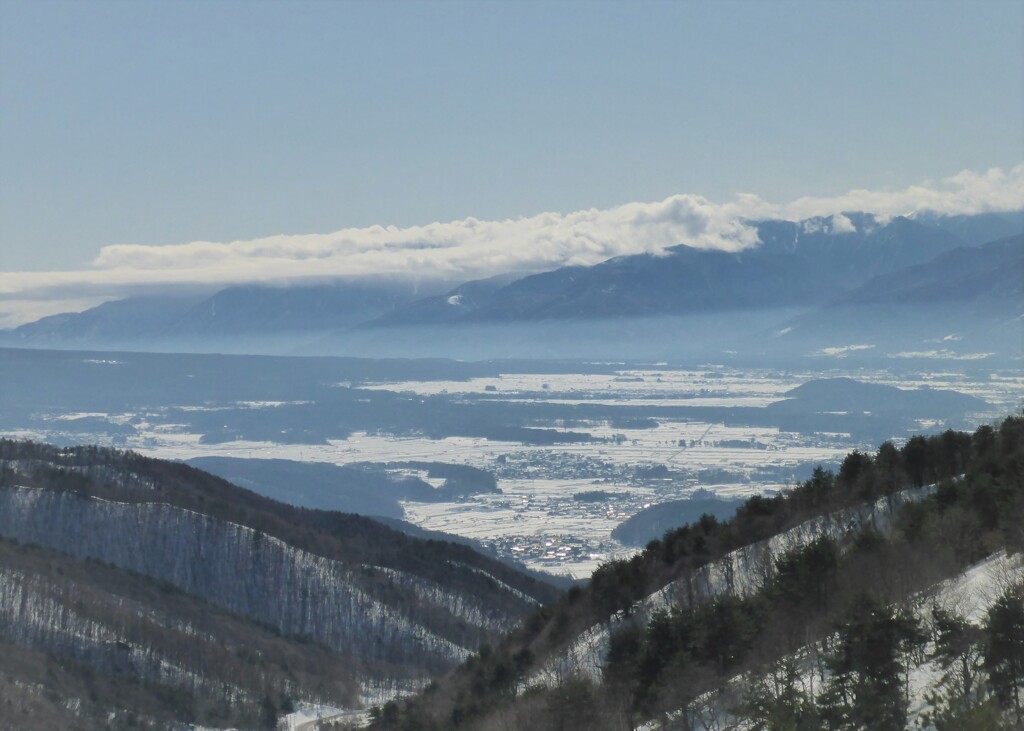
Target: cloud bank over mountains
<point x="471" y="248"/>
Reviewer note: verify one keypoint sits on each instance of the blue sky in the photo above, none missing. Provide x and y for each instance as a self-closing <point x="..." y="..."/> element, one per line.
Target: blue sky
<point x="170" y="122"/>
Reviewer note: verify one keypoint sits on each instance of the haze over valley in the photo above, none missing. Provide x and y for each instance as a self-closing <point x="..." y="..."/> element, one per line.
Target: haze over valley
<point x="439" y="365"/>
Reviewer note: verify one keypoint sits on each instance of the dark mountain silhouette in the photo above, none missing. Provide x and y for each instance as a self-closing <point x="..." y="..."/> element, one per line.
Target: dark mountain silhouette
<point x="319" y="485"/>
<point x="366" y="603"/>
<point x="976" y="229"/>
<point x="993" y="271"/>
<point x="234" y="312"/>
<point x="963" y="303"/>
<point x="250" y="308"/>
<point x="832" y="395"/>
<point x="653" y="522"/>
<point x="118" y="321"/>
<point x="449" y="307"/>
<point x="797" y="264"/>
<point x="365" y="489"/>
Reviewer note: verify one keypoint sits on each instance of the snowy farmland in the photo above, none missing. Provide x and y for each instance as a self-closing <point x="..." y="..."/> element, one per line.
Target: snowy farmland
<point x="537" y="517"/>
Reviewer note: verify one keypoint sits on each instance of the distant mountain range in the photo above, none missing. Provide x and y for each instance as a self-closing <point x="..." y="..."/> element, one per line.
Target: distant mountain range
<point x="968" y="299"/>
<point x="232" y="312"/>
<point x="992" y="271"/>
<point x="127" y="320"/>
<point x="797" y="264"/>
<point x="817" y="266"/>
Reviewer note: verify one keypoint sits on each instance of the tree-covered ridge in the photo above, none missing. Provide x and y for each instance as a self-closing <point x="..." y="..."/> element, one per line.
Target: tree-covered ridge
<point x="126" y="476"/>
<point x="97" y="647"/>
<point x="839" y="596"/>
<point x="154" y="588"/>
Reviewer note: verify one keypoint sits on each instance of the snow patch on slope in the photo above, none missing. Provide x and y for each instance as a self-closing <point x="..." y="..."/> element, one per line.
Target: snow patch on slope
<point x="741" y="572"/>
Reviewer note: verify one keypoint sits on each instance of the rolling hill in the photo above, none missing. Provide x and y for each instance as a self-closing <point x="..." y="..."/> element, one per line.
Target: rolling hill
<point x="163" y="578"/>
<point x="856" y="600"/>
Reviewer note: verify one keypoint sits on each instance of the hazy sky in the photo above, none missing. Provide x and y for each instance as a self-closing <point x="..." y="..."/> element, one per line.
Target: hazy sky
<point x="168" y="122"/>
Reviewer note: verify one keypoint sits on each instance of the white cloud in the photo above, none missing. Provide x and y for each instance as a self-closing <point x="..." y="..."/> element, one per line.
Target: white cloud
<point x="967" y="192"/>
<point x="841" y="351"/>
<point x="842" y="225"/>
<point x="837" y="223"/>
<point x="471" y="248"/>
<point x="945" y="354"/>
<point x="462" y="248"/>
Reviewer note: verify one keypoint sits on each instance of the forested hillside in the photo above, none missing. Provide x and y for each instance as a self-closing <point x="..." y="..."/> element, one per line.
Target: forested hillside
<point x="87" y="645"/>
<point x="816" y="609"/>
<point x="218" y="604"/>
<point x="137" y="591"/>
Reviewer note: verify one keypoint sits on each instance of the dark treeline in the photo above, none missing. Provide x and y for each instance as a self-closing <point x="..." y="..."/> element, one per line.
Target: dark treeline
<point x="136" y="652"/>
<point x="459" y="480"/>
<point x="838" y="600"/>
<point x="160" y="625"/>
<point x="434" y="578"/>
<point x="618" y="585"/>
<point x="130" y="477"/>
